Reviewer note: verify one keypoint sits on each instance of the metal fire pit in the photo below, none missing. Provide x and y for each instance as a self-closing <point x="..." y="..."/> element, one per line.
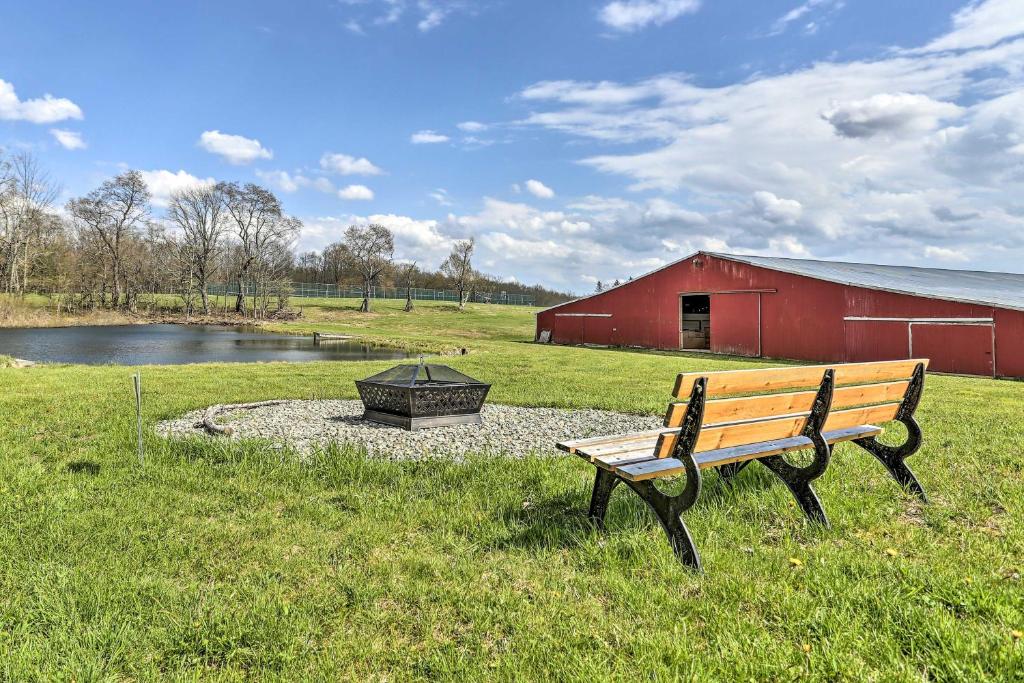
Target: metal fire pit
<point x="419" y="396"/>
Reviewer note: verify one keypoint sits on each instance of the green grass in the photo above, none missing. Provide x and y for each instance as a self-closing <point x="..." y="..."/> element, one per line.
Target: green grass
<point x="233" y="562"/>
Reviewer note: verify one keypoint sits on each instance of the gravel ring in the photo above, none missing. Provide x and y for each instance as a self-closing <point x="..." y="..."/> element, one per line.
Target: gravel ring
<point x="506" y="430"/>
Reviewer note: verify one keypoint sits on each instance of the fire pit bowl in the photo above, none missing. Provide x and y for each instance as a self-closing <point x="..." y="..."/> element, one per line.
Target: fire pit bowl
<point x="419" y="396"/>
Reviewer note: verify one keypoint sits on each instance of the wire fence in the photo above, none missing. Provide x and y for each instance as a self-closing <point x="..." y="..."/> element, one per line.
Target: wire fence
<point x="321" y="291"/>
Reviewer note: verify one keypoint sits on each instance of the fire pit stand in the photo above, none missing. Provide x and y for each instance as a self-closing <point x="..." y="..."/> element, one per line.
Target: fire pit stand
<point x="420" y="396"/>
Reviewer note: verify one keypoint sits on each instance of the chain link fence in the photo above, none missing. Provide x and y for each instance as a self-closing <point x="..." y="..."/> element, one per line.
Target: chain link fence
<point x="318" y="291"/>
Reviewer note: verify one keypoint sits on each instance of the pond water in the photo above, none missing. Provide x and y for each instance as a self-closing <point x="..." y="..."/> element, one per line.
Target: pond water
<point x="176" y="345"/>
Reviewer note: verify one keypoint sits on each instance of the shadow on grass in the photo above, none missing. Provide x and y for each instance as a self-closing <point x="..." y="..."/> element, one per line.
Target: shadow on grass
<point x="83" y="467"/>
<point x="561" y="521"/>
<point x="550" y="523"/>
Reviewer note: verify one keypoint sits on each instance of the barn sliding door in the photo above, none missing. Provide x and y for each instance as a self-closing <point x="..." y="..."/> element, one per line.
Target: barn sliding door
<point x="736" y="323"/>
<point x="963" y="349"/>
<point x="958" y="345"/>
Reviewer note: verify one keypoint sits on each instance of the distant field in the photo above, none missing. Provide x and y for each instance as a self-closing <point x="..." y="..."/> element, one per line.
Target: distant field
<point x="237" y="561"/>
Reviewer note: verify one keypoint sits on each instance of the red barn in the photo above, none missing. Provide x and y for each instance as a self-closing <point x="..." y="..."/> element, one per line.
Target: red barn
<point x="967" y="322"/>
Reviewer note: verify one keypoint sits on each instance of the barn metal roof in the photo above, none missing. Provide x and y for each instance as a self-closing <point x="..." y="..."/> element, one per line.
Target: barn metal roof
<point x="1002" y="290"/>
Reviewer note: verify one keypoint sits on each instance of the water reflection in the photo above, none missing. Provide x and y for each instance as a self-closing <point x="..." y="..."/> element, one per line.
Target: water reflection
<point x="176" y="345"/>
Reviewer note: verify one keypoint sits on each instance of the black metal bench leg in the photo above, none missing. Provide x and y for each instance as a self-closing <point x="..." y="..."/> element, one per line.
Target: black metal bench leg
<point x="669" y="511"/>
<point x="729" y="472"/>
<point x="798" y="479"/>
<point x="604" y="484"/>
<point x="800" y="486"/>
<point x="894" y="457"/>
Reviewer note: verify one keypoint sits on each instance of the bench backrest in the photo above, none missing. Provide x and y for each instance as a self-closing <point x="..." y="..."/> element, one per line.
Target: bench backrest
<point x="865" y="393"/>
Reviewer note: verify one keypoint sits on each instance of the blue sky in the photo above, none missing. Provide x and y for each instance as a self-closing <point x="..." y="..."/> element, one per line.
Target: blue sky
<point x="575" y="140"/>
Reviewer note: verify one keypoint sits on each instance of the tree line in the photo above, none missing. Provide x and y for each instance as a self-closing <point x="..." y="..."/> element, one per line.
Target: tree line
<point x="110" y="248"/>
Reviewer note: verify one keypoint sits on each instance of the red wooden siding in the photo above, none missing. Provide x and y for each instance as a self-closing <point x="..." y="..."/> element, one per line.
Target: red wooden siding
<point x="876" y="340"/>
<point x="801" y="318"/>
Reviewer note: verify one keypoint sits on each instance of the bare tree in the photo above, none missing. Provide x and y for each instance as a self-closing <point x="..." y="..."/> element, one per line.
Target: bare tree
<point x="275" y="260"/>
<point x="370" y="249"/>
<point x="200" y="214"/>
<point x="257" y="221"/>
<point x="26" y="195"/>
<point x="335" y="262"/>
<point x="407" y="276"/>
<point x="459" y="267"/>
<point x="178" y="268"/>
<point x="115" y="213"/>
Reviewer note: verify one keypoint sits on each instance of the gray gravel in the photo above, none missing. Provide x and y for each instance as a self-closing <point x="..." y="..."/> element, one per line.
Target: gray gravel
<point x="507" y="430"/>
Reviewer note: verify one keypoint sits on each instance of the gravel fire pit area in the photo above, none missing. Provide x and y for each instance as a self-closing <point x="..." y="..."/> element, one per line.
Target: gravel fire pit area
<point x="506" y="430"/>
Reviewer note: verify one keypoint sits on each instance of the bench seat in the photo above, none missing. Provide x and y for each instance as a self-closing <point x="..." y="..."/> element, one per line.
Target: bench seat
<point x="650" y="467"/>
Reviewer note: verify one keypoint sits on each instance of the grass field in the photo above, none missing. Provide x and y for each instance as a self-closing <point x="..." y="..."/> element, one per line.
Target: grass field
<point x="237" y="561"/>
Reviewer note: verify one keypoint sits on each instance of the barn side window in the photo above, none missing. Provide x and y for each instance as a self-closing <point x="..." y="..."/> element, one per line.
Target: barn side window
<point x="695" y="322"/>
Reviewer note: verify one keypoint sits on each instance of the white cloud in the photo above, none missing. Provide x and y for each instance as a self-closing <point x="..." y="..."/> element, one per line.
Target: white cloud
<point x="356" y="193"/>
<point x="787" y="245"/>
<point x="472" y="126"/>
<point x="802" y="10"/>
<point x="415" y="239"/>
<point x="235" y="149"/>
<point x="885" y="113"/>
<point x="662" y="212"/>
<point x="777" y="210"/>
<point x="428" y="14"/>
<point x="985" y="151"/>
<point x="281" y="180"/>
<point x="981" y="24"/>
<point x="343" y="164"/>
<point x="632" y="15"/>
<point x="539" y="189"/>
<point x="428" y="137"/>
<point x="293" y="182"/>
<point x="68" y="139"/>
<point x="944" y="254"/>
<point x="46" y="109"/>
<point x="431" y="20"/>
<point x="162" y="183"/>
<point x="440" y="195"/>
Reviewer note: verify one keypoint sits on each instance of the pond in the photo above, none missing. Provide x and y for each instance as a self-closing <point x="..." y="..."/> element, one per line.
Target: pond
<point x="176" y="345"/>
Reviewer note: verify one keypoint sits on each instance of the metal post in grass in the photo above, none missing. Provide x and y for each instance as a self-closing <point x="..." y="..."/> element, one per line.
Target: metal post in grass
<point x="137" y="377"/>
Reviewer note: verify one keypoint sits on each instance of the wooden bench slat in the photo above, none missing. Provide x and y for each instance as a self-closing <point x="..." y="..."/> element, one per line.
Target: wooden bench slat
<point x="752" y="407"/>
<point x="610" y="462"/>
<point x="841" y="419"/>
<point x="611" y="449"/>
<point x="777" y="379"/>
<point x="723" y="436"/>
<point x="579" y="444"/>
<point x="651" y="469"/>
<point x="656" y="468"/>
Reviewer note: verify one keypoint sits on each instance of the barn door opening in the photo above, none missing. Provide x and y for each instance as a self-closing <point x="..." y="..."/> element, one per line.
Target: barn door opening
<point x="695" y="322"/>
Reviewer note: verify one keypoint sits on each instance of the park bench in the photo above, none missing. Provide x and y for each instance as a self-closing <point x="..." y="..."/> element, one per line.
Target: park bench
<point x="732" y="418"/>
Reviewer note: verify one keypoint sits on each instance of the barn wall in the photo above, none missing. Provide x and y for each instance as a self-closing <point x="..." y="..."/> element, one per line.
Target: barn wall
<point x="1009" y="343"/>
<point x="802" y="319"/>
